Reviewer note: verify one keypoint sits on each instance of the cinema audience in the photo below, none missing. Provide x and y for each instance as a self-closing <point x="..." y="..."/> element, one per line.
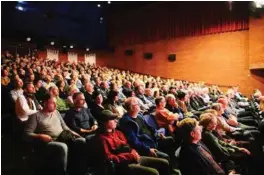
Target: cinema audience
<point x="132" y="96"/>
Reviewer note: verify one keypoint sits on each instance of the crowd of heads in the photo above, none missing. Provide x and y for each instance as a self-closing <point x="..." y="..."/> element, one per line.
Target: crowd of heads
<point x="64" y="85"/>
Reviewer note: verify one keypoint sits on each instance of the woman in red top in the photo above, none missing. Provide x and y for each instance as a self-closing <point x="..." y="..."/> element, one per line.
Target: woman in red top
<point x="164" y="117"/>
<point x="116" y="149"/>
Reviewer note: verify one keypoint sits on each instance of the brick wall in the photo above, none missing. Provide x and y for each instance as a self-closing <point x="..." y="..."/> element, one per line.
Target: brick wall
<point x="221" y="59"/>
<point x="256" y="42"/>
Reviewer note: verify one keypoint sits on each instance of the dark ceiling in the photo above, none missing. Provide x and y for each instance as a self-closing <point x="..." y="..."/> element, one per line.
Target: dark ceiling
<point x="64" y="22"/>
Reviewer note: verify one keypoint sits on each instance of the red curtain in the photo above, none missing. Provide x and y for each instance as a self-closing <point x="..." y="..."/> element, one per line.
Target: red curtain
<point x="167" y="20"/>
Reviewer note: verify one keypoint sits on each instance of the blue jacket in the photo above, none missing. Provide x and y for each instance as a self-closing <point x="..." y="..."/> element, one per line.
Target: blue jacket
<point x="141" y="142"/>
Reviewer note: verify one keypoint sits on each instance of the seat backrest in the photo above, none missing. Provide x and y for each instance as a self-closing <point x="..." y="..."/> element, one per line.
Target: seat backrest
<point x="151" y="121"/>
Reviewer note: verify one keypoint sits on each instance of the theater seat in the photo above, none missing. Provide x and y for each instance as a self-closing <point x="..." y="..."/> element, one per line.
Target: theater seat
<point x="152" y="122"/>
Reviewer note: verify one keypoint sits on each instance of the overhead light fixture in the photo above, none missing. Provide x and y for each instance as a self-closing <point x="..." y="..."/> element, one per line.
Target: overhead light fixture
<point x="28" y="39"/>
<point x="20" y="8"/>
<point x="52" y="43"/>
<point x="64" y="46"/>
<point x="109" y="2"/>
<point x="259" y="3"/>
<point x="101" y="22"/>
<point x="87" y="49"/>
<point x="98" y="5"/>
<point x="71" y="46"/>
<point x="101" y="18"/>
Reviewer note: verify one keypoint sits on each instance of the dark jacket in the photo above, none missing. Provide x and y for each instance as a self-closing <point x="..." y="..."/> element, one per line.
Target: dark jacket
<point x="197" y="103"/>
<point x="141" y="142"/>
<point x="126" y="91"/>
<point x="79" y="119"/>
<point x="220" y="149"/>
<point x="88" y="99"/>
<point x="192" y="162"/>
<point x="96" y="111"/>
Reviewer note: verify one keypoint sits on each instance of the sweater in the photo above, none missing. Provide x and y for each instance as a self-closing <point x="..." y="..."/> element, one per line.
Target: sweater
<point x="111" y="142"/>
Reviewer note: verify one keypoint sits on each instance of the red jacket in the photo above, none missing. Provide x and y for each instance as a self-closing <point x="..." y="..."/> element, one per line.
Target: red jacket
<point x="113" y="140"/>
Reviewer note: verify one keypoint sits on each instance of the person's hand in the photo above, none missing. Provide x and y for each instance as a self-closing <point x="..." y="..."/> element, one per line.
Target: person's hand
<point x="233" y="142"/>
<point x="75" y="134"/>
<point x="244" y="150"/>
<point x="162" y="136"/>
<point x="152" y="152"/>
<point x="94" y="127"/>
<point x="233" y="172"/>
<point x="44" y="137"/>
<point x="136" y="155"/>
<point x="39" y="107"/>
<point x="232" y="121"/>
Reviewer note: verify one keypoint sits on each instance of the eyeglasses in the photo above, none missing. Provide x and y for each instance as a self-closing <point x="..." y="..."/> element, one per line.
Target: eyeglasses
<point x="136" y="104"/>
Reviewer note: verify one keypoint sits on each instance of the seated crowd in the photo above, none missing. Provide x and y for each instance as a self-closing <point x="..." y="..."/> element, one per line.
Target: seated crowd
<point x="78" y="116"/>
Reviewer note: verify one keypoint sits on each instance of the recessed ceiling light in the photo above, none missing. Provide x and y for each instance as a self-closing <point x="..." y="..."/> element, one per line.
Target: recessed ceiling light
<point x="71" y="46"/>
<point x="28" y="39"/>
<point x="20" y="8"/>
<point x="109" y="2"/>
<point x="98" y="5"/>
<point x="101" y="18"/>
<point x="87" y="49"/>
<point x="64" y="46"/>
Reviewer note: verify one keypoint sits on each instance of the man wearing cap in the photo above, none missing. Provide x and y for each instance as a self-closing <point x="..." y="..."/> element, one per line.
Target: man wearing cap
<point x="117" y="149"/>
<point x="79" y="118"/>
<point x="195" y="157"/>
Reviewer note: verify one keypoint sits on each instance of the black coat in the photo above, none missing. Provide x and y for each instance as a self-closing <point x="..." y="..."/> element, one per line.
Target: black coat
<point x="192" y="162"/>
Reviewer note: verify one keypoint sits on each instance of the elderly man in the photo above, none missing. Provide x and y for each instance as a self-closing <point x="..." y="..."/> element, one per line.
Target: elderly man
<point x="172" y="105"/>
<point x="127" y="88"/>
<point x="149" y="95"/>
<point x="141" y="136"/>
<point x="89" y="89"/>
<point x="139" y="90"/>
<point x="47" y="128"/>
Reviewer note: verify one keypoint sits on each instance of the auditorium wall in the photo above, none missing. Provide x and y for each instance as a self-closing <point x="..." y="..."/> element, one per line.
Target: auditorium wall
<point x="256" y="42"/>
<point x="223" y="59"/>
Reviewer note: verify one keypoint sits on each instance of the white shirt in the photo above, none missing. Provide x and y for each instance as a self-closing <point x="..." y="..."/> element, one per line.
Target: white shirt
<point x="22" y="108"/>
<point x="16" y="93"/>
